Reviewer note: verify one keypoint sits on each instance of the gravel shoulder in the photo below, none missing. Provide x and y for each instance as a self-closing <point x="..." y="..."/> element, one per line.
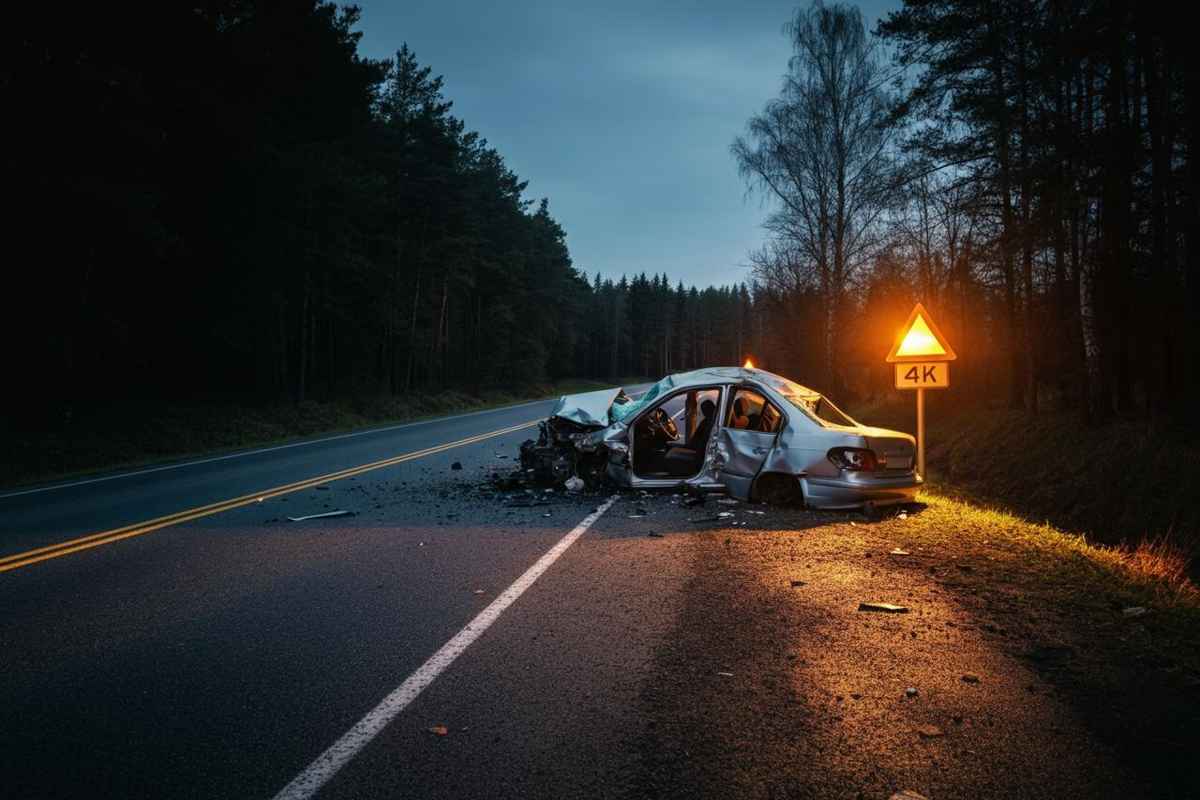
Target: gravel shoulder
<point x="998" y="681"/>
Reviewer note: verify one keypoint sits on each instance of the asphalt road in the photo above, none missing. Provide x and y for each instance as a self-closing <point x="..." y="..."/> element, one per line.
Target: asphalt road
<point x="665" y="653"/>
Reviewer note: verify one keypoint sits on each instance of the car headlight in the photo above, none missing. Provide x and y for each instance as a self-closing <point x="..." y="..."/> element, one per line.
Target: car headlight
<point x="855" y="459"/>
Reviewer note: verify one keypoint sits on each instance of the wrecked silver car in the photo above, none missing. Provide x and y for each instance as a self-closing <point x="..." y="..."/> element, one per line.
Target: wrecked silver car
<point x="746" y="431"/>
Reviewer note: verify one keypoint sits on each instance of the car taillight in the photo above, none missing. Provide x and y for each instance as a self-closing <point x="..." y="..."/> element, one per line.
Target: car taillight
<point x="854" y="458"/>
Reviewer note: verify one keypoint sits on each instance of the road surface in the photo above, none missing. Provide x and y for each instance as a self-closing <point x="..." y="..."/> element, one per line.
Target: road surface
<point x="453" y="641"/>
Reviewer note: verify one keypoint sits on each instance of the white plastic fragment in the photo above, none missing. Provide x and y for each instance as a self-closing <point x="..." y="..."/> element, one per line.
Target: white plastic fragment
<point x="322" y="516"/>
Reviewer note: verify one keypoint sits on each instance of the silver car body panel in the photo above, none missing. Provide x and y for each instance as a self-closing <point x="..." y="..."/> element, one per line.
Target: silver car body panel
<point x="736" y="458"/>
<point x="587" y="408"/>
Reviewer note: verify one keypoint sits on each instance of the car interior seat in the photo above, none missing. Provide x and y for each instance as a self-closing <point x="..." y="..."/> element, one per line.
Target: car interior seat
<point x="739" y="419"/>
<point x="686" y="459"/>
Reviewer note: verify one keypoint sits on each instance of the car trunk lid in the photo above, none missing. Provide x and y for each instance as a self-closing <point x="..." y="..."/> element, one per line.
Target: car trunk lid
<point x="896" y="447"/>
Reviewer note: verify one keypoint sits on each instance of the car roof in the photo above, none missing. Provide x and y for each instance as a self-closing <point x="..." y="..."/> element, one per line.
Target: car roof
<point x="707" y="377"/>
<point x="710" y="375"/>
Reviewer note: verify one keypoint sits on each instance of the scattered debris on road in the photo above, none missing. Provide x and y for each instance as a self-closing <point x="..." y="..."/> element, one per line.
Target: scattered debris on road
<point x="725" y="674"/>
<point x="1134" y="611"/>
<point x="457" y="465"/>
<point x="574" y="484"/>
<point x="439" y="730"/>
<point x="339" y="513"/>
<point x="796" y="583"/>
<point x="908" y="794"/>
<point x="930" y="732"/>
<point x="969" y="678"/>
<point x="898" y="552"/>
<point x="911" y="692"/>
<point x="886" y="608"/>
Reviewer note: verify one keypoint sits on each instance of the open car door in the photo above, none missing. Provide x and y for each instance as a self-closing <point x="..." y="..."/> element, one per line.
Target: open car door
<point x="748" y="431"/>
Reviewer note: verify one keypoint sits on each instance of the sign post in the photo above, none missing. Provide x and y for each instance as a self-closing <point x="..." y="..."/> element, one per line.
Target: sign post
<point x="921" y="356"/>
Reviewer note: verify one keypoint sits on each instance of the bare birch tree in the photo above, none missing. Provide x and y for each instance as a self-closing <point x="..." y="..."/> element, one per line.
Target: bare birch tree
<point x="820" y="153"/>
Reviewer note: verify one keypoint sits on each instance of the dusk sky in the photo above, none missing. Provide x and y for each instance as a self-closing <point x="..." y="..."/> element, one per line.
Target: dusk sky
<point x="620" y="113"/>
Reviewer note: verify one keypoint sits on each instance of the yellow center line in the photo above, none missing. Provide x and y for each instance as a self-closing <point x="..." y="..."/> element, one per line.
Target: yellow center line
<point x="138" y="528"/>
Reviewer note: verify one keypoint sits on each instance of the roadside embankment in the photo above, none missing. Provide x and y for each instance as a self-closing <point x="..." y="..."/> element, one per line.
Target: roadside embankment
<point x="1119" y="482"/>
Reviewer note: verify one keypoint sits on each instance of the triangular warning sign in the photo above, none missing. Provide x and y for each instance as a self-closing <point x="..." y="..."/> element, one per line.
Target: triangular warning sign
<point x="920" y="340"/>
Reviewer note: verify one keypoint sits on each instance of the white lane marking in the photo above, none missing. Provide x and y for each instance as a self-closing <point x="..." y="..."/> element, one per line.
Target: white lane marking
<point x="266" y="450"/>
<point x="319" y="772"/>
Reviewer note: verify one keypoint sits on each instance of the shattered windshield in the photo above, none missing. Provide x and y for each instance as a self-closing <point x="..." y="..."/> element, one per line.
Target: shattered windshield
<point x="620" y="413"/>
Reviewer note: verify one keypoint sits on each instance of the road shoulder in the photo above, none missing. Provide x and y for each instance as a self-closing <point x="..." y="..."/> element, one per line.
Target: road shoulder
<point x="775" y="684"/>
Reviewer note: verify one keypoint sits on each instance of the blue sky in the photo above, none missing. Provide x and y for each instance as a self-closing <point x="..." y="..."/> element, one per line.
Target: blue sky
<point x="621" y="113"/>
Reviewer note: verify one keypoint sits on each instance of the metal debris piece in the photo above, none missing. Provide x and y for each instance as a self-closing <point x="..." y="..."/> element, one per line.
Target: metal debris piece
<point x="457" y="465"/>
<point x="725" y="674"/>
<point x="886" y="608"/>
<point x="322" y="516"/>
<point x="1134" y="611"/>
<point x="724" y="514"/>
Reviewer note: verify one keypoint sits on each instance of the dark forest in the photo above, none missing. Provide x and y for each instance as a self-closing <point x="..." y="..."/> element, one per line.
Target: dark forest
<point x="240" y="206"/>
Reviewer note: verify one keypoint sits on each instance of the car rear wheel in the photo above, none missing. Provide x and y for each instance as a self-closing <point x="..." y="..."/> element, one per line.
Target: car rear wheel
<point x="778" y="489"/>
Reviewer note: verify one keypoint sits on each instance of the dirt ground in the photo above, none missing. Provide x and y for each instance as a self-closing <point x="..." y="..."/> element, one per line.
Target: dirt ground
<point x="776" y="684"/>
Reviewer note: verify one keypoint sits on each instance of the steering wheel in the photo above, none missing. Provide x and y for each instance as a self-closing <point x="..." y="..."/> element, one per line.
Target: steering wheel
<point x="661" y="421"/>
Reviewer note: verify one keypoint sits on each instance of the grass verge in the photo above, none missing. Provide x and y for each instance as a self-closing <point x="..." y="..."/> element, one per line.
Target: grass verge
<point x="115" y="438"/>
<point x="1121" y="482"/>
<point x="1115" y="629"/>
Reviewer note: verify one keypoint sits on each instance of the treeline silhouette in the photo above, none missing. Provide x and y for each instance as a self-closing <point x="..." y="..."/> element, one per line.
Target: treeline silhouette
<point x="225" y="200"/>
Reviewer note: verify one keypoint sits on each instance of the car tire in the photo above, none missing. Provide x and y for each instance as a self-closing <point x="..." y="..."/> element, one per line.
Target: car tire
<point x="778" y="489"/>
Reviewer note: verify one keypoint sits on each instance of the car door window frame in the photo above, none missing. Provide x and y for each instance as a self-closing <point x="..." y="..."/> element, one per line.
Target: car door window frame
<point x="722" y="398"/>
<point x="758" y="390"/>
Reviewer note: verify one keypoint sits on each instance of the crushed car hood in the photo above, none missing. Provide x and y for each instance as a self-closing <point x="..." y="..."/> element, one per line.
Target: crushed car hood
<point x="587" y="408"/>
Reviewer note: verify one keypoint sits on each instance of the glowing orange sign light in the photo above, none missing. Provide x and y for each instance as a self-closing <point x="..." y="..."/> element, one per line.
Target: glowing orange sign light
<point x="749" y="364"/>
<point x="920" y="353"/>
<point x="920" y="340"/>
